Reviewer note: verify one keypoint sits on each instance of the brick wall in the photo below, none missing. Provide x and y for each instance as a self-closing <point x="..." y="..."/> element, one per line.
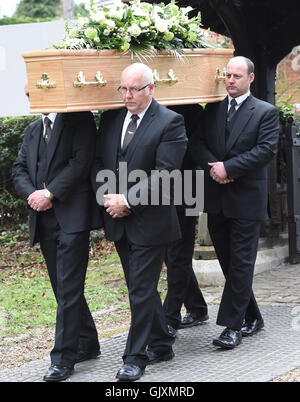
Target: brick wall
<point x="288" y="78"/>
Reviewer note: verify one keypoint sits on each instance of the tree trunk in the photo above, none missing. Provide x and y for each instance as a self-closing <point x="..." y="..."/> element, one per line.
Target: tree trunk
<point x="68" y="9"/>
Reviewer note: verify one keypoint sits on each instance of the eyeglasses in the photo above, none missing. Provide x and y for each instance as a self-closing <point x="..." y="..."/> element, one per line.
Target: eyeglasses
<point x="133" y="91"/>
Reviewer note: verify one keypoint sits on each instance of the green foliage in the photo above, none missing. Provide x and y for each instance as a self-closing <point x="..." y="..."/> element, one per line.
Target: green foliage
<point x="27" y="300"/>
<point x="286" y="111"/>
<point x="39" y="9"/>
<point x="80" y="10"/>
<point x="10" y="237"/>
<point x="140" y="28"/>
<point x="12" y="209"/>
<point x="21" y="20"/>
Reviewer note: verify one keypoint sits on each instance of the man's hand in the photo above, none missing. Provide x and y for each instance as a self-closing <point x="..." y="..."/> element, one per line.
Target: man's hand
<point x="38" y="201"/>
<point x="116" y="206"/>
<point x="218" y="173"/>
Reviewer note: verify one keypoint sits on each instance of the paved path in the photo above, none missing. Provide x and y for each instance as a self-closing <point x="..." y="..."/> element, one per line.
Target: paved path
<point x="272" y="352"/>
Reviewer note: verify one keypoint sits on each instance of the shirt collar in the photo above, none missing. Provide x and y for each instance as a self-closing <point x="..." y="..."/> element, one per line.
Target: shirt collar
<point x="239" y="99"/>
<point x="51" y="117"/>
<point x="141" y="114"/>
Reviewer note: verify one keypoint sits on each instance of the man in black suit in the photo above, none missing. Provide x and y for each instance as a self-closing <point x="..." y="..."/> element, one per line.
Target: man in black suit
<point x="52" y="174"/>
<point x="183" y="286"/>
<point x="239" y="140"/>
<point x="147" y="139"/>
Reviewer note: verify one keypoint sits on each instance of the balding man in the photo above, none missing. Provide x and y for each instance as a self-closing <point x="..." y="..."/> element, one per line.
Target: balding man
<point x="146" y="138"/>
<point x="239" y="140"/>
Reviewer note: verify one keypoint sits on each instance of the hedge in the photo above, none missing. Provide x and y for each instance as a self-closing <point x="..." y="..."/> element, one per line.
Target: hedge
<point x="12" y="209"/>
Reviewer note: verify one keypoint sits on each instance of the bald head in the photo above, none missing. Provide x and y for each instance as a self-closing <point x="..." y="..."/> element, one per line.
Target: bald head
<point x="139" y="70"/>
<point x="137" y="87"/>
<point x="243" y="60"/>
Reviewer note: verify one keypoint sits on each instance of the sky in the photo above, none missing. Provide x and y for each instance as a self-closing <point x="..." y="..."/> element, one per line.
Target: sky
<point x="8" y="7"/>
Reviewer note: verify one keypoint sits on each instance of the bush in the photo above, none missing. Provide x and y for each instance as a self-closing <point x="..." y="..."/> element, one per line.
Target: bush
<point x="21" y="20"/>
<point x="12" y="209"/>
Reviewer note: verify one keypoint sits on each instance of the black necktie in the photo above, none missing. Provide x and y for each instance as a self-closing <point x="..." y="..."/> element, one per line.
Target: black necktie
<point x="232" y="109"/>
<point x="48" y="131"/>
<point x="130" y="131"/>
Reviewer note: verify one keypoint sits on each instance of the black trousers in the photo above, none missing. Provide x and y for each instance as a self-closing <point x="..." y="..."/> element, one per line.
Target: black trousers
<point x="66" y="257"/>
<point x="142" y="266"/>
<point x="183" y="287"/>
<point x="236" y="242"/>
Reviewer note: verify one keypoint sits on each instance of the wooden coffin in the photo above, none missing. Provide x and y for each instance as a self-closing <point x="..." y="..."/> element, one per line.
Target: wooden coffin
<point x="80" y="80"/>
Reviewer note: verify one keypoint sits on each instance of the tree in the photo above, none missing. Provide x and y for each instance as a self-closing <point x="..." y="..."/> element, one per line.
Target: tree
<point x="80" y="10"/>
<point x="39" y="9"/>
<point x="68" y="9"/>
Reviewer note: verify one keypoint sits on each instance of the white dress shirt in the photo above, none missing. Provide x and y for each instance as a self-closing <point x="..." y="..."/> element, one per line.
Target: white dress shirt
<point x="125" y="125"/>
<point x="51" y="117"/>
<point x="128" y="118"/>
<point x="239" y="100"/>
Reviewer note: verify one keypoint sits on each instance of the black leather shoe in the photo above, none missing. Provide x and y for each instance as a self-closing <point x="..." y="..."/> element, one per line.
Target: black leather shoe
<point x="250" y="327"/>
<point x="83" y="355"/>
<point x="57" y="373"/>
<point x="129" y="372"/>
<point x="190" y="319"/>
<point x="228" y="339"/>
<point x="159" y="357"/>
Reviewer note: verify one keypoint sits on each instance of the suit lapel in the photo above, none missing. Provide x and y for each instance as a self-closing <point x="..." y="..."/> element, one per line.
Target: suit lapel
<point x="34" y="148"/>
<point x="114" y="141"/>
<point x="244" y="115"/>
<point x="142" y="129"/>
<point x="221" y="124"/>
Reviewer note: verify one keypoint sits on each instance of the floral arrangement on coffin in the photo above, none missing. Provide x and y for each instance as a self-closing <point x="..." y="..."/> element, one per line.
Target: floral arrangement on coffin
<point x="140" y="28"/>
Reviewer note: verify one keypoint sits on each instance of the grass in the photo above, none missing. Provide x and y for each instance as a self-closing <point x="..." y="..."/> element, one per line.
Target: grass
<point x="26" y="297"/>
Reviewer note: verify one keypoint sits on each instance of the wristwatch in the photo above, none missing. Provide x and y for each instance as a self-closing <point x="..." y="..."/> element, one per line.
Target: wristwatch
<point x="48" y="195"/>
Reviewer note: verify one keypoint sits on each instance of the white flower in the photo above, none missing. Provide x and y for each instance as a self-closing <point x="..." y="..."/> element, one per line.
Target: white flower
<point x="134" y="30"/>
<point x="73" y="32"/>
<point x="157" y="10"/>
<point x="74" y="42"/>
<point x="186" y="10"/>
<point x="138" y="12"/>
<point x="116" y="13"/>
<point x="82" y="21"/>
<point x="99" y="16"/>
<point x="144" y="24"/>
<point x="174" y="21"/>
<point x="128" y="22"/>
<point x="110" y="24"/>
<point x="161" y="25"/>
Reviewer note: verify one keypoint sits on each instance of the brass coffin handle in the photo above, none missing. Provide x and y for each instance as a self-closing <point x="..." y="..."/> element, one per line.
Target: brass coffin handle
<point x="45" y="82"/>
<point x="100" y="82"/>
<point x="171" y="80"/>
<point x="219" y="76"/>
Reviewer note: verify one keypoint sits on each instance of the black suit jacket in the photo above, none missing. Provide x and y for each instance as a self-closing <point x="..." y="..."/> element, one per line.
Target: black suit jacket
<point x="70" y="156"/>
<point x="193" y="119"/>
<point x="158" y="144"/>
<point x="246" y="154"/>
